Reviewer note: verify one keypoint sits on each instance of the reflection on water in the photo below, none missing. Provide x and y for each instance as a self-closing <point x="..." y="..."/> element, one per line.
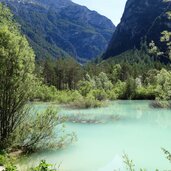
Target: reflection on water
<point x="140" y="132"/>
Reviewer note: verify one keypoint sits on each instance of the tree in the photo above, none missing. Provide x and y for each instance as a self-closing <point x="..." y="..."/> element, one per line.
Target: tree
<point x="16" y="74"/>
<point x="49" y="72"/>
<point x="130" y="89"/>
<point x="116" y="73"/>
<point x="68" y="73"/>
<point x="163" y="85"/>
<point x="103" y="82"/>
<point x="86" y="85"/>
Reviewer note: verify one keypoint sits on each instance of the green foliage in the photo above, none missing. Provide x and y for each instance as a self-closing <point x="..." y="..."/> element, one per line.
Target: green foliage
<point x="65" y="97"/>
<point x="129" y="163"/>
<point x="131" y="75"/>
<point x="85" y="86"/>
<point x="116" y="73"/>
<point x="7" y="162"/>
<point x="43" y="166"/>
<point x="102" y="82"/>
<point x="130" y="89"/>
<point x="153" y="49"/>
<point x="163" y="85"/>
<point x="37" y="131"/>
<point x="99" y="94"/>
<point x="88" y="101"/>
<point x="11" y="168"/>
<point x="118" y="91"/>
<point x="43" y="92"/>
<point x="63" y="73"/>
<point x="16" y="75"/>
<point x="97" y="86"/>
<point x="146" y="92"/>
<point x="9" y="165"/>
<point x="111" y="86"/>
<point x="153" y="84"/>
<point x="6" y="18"/>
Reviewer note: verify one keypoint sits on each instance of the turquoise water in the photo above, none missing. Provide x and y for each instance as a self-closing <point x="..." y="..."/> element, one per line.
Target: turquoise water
<point x="140" y="132"/>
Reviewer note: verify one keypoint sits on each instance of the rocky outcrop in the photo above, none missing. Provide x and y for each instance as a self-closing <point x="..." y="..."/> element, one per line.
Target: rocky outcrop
<point x="142" y="19"/>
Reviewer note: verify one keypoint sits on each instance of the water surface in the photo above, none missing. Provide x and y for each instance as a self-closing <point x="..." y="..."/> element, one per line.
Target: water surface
<point x="141" y="132"/>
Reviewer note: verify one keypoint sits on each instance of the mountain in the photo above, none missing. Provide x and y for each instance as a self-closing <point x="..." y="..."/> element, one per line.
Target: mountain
<point x="58" y="28"/>
<point x="142" y="20"/>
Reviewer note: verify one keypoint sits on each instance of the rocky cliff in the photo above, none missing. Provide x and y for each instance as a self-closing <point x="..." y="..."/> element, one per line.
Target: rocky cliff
<point x="142" y="20"/>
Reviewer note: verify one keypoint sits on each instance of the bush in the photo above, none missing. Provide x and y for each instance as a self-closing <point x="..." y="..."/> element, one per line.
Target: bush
<point x="37" y="132"/>
<point x="43" y="166"/>
<point x="98" y="94"/>
<point x="163" y="87"/>
<point x="112" y="95"/>
<point x="118" y="91"/>
<point x="147" y="92"/>
<point x="64" y="97"/>
<point x="7" y="162"/>
<point x="45" y="93"/>
<point x="9" y="165"/>
<point x="161" y="104"/>
<point x="87" y="102"/>
<point x="130" y="90"/>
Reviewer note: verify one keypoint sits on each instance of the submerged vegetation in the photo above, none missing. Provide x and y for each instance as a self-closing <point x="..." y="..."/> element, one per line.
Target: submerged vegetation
<point x="92" y="119"/>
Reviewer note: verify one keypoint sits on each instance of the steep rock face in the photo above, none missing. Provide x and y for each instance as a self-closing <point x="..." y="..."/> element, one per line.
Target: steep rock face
<point x="142" y="19"/>
<point x="62" y="28"/>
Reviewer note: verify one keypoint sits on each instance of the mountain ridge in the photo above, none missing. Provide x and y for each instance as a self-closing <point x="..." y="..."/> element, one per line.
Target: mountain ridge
<point x="62" y="28"/>
<point x="142" y="20"/>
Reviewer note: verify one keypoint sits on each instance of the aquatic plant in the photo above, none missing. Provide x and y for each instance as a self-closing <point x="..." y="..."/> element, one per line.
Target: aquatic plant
<point x="92" y="119"/>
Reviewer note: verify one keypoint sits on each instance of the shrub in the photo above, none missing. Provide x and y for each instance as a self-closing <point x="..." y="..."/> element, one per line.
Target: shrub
<point x="147" y="92"/>
<point x="64" y="97"/>
<point x="43" y="166"/>
<point x="118" y="91"/>
<point x="37" y="132"/>
<point x="7" y="162"/>
<point x="98" y="94"/>
<point x="130" y="90"/>
<point x="161" y="104"/>
<point x="44" y="93"/>
<point x="87" y="102"/>
<point x="163" y="88"/>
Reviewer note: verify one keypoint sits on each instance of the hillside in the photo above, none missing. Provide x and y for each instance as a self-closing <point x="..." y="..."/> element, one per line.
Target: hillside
<point x="58" y="28"/>
<point x="142" y="19"/>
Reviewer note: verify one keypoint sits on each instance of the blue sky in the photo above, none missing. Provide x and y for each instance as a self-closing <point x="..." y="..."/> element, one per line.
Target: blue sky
<point x="113" y="9"/>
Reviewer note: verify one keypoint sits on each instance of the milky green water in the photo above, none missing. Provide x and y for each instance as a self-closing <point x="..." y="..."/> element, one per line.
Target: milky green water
<point x="140" y="132"/>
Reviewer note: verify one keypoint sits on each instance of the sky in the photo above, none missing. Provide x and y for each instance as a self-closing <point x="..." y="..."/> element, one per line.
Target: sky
<point x="113" y="9"/>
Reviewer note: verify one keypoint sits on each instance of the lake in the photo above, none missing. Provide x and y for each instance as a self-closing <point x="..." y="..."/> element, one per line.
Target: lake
<point x="139" y="131"/>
